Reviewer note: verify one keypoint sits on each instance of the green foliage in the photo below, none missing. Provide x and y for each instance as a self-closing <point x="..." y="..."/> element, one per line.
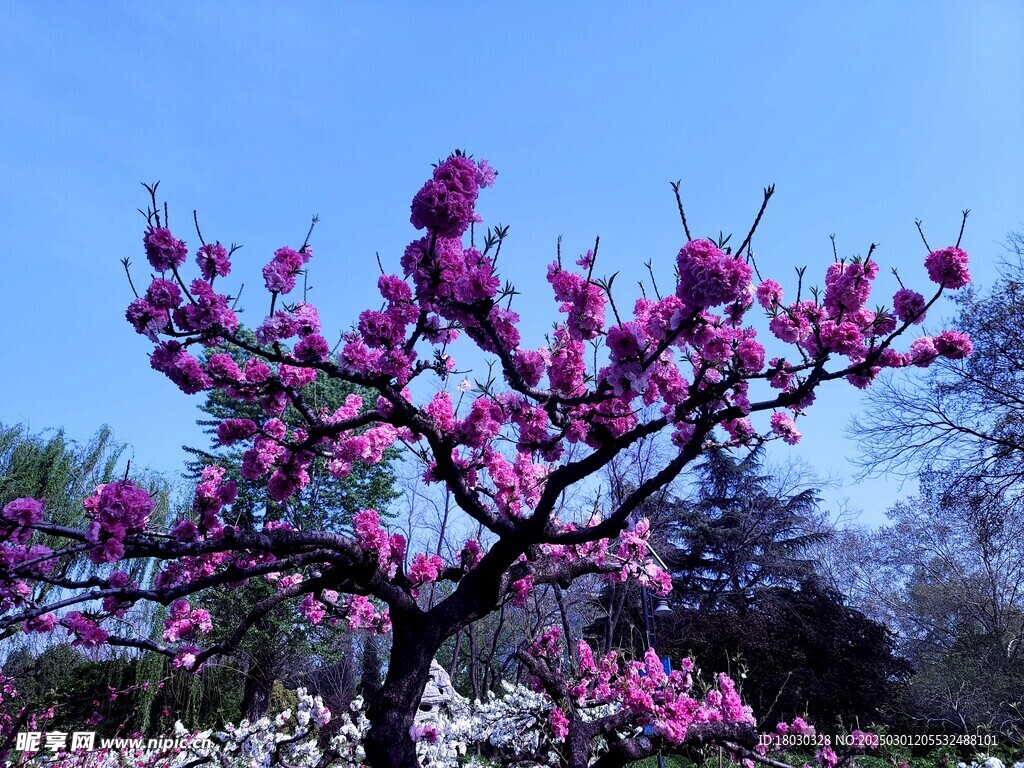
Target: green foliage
<point x="281" y="699"/>
<point x="130" y="692"/>
<point x="803" y="653"/>
<point x="49" y="466"/>
<point x="739" y="533"/>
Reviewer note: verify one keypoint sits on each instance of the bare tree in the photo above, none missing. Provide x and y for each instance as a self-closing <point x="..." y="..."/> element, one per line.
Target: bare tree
<point x="947" y="575"/>
<point x="965" y="417"/>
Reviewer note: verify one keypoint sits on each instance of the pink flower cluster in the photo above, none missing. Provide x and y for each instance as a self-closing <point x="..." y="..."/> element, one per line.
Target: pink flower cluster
<point x="185" y="622"/>
<point x="389" y="549"/>
<point x="909" y="306"/>
<point x="708" y="277"/>
<point x="517" y="484"/>
<point x="848" y="286"/>
<point x="583" y="300"/>
<point x="20" y="560"/>
<point x="657" y="698"/>
<point x="115" y="510"/>
<point x="213" y="261"/>
<point x="86" y="631"/>
<point x="637" y="564"/>
<point x="208" y="310"/>
<point x="425" y="568"/>
<point x="271" y="454"/>
<point x="954" y="345"/>
<point x="425" y="732"/>
<point x="444" y="205"/>
<point x="360" y="613"/>
<point x="164" y="251"/>
<point x="177" y="364"/>
<point x="948" y="267"/>
<point x="212" y="494"/>
<point x="784" y="426"/>
<point x="279" y="275"/>
<point x="387" y="329"/>
<point x="769" y="295"/>
<point x="24" y="513"/>
<point x="559" y="723"/>
<point x="520" y="591"/>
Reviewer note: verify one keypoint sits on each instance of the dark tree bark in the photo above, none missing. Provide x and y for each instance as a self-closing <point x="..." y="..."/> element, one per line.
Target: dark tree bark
<point x="415" y="641"/>
<point x="259" y="681"/>
<point x="370" y="670"/>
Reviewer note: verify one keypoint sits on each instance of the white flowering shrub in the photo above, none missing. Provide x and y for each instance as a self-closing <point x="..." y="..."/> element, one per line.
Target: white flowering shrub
<point x="982" y="761"/>
<point x="513" y="724"/>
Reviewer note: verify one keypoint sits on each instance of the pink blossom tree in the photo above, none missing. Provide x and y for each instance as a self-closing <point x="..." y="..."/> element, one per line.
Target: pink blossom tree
<point x="686" y="366"/>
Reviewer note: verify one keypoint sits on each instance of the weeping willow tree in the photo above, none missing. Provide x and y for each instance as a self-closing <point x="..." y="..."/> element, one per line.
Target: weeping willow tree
<point x="49" y="465"/>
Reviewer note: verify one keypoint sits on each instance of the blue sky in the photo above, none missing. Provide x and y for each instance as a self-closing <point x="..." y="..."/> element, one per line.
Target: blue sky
<point x="865" y="115"/>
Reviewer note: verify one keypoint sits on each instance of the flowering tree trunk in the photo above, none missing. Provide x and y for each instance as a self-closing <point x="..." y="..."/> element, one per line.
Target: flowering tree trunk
<point x="259" y="682"/>
<point x="393" y="707"/>
<point x="685" y="367"/>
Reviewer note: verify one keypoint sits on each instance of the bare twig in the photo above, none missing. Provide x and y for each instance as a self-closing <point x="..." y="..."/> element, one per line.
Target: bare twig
<point x="768" y="192"/>
<point x="679" y="204"/>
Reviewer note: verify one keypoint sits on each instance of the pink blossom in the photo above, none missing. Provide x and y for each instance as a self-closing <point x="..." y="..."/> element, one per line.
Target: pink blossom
<point x="848" y="286"/>
<point x="213" y="261"/>
<point x="769" y="294"/>
<point x="708" y="277"/>
<point x="750" y="356"/>
<point x="625" y="341"/>
<point x="425" y="732"/>
<point x="163" y="294"/>
<point x="955" y="345"/>
<point x="208" y="309"/>
<point x="424" y="568"/>
<point x="482" y="424"/>
<point x="230" y="431"/>
<point x="186" y="658"/>
<point x="786" y="327"/>
<point x="909" y="306"/>
<point x="442" y="411"/>
<point x="559" y="723"/>
<point x="844" y="338"/>
<point x="24" y="511"/>
<point x="923" y="351"/>
<point x="87" y="633"/>
<point x="223" y="367"/>
<point x="471" y="554"/>
<point x="827" y="757"/>
<point x="485" y="174"/>
<point x="445" y="203"/>
<point x="171" y="359"/>
<point x="312" y="609"/>
<point x="948" y="267"/>
<point x="521" y="591"/>
<point x="279" y="275"/>
<point x="42" y="624"/>
<point x="164" y="251"/>
<point x="784" y="426"/>
<point x="312" y="348"/>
